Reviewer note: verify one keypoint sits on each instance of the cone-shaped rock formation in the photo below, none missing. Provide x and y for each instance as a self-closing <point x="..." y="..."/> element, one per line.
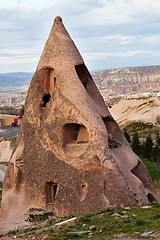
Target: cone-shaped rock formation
<point x="71" y="156"/>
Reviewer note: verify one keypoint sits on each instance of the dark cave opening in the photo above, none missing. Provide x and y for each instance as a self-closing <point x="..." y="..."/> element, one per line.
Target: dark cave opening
<point x="46" y="99"/>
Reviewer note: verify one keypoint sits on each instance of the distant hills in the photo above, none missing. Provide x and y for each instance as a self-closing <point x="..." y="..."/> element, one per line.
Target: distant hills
<point x="128" y="80"/>
<point x="110" y="82"/>
<point x="16" y="79"/>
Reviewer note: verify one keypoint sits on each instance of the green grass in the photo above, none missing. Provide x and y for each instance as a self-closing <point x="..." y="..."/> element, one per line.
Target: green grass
<point x="131" y="222"/>
<point x="153" y="170"/>
<point x="143" y="129"/>
<point x="11" y="139"/>
<point x="40" y="217"/>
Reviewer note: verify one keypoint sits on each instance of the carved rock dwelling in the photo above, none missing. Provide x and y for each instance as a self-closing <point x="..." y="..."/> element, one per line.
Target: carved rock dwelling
<point x="71" y="156"/>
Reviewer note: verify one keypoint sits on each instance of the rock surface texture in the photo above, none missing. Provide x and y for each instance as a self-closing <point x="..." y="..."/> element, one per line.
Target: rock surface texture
<point x="5" y="151"/>
<point x="71" y="157"/>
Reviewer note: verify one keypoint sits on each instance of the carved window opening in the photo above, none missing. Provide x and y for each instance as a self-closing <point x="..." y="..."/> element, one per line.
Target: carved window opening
<point x="51" y="190"/>
<point x="46" y="99"/>
<point x="109" y="124"/>
<point x="111" y="128"/>
<point x="52" y="81"/>
<point x="151" y="198"/>
<point x="48" y="78"/>
<point x="83" y="74"/>
<point x="75" y="133"/>
<point x="82" y="187"/>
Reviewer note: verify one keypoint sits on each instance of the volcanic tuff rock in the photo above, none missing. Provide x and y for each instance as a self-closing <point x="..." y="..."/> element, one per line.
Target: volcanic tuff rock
<point x="127" y="111"/>
<point x="71" y="157"/>
<point x="3" y="169"/>
<point x="5" y="151"/>
<point x="128" y="80"/>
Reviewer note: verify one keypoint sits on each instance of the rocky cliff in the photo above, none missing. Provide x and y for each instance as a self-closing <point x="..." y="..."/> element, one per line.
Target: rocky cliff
<point x="128" y="80"/>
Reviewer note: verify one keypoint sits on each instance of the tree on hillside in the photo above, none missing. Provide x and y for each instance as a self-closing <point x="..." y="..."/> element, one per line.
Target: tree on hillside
<point x="148" y="147"/>
<point x="127" y="136"/>
<point x="135" y="144"/>
<point x="156" y="155"/>
<point x="157" y="139"/>
<point x="156" y="151"/>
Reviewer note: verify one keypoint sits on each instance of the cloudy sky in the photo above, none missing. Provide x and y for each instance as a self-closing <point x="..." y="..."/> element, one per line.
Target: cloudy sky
<point x="108" y="33"/>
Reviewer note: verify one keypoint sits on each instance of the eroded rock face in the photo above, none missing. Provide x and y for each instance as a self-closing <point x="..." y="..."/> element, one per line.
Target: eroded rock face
<point x="5" y="151"/>
<point x="71" y="157"/>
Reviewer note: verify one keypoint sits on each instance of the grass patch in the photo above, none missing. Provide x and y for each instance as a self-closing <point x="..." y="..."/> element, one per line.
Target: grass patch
<point x="113" y="144"/>
<point x="10" y="139"/>
<point x="127" y="221"/>
<point x="153" y="170"/>
<point x="133" y="221"/>
<point x="143" y="129"/>
<point x="39" y="217"/>
<point x="36" y="209"/>
<point x="31" y="229"/>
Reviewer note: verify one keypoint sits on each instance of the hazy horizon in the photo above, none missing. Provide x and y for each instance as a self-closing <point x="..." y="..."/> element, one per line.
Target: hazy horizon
<point x="86" y="66"/>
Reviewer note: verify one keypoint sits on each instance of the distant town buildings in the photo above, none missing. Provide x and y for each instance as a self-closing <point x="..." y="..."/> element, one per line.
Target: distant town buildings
<point x="108" y="97"/>
<point x="13" y="100"/>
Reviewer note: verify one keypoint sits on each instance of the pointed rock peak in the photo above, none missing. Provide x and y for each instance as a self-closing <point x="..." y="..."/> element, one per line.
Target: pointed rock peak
<point x="58" y="27"/>
<point x="57" y="23"/>
<point x="59" y="49"/>
<point x="57" y="20"/>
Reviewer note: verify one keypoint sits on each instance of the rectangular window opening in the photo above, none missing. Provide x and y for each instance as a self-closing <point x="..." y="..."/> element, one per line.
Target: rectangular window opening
<point x="51" y="190"/>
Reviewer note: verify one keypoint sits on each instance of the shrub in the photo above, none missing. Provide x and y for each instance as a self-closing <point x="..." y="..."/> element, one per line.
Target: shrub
<point x="135" y="144"/>
<point x="127" y="136"/>
<point x="148" y="147"/>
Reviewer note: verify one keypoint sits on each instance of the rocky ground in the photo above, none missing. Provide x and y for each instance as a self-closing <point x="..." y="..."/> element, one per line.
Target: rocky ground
<point x="112" y="223"/>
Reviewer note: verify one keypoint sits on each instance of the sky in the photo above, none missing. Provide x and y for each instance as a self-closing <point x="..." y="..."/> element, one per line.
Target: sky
<point x="108" y="33"/>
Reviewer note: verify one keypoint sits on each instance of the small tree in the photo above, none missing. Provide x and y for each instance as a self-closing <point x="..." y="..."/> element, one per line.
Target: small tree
<point x="157" y="139"/>
<point x="127" y="136"/>
<point x="156" y="151"/>
<point x="148" y="147"/>
<point x="135" y="144"/>
<point x="156" y="155"/>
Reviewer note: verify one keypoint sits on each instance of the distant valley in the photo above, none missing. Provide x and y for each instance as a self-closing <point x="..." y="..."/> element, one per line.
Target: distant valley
<point x="14" y="83"/>
<point x="117" y="83"/>
<point x="18" y="79"/>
